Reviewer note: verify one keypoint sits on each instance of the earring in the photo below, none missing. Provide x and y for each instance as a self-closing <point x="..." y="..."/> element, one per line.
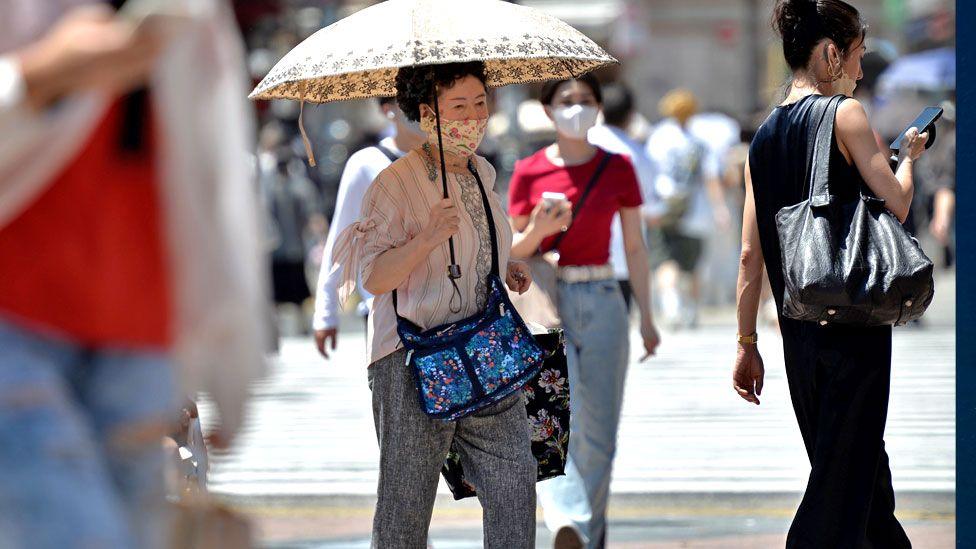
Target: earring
<point x="836" y="73"/>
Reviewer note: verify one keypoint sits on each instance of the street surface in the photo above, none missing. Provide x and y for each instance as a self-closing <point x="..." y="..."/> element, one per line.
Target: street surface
<point x="696" y="466"/>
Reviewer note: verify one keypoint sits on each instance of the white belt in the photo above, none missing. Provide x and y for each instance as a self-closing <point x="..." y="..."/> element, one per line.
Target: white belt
<point x="585" y="273"/>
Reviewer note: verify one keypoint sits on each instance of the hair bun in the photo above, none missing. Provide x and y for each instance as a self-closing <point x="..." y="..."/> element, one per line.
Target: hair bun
<point x="793" y="16"/>
<point x="803" y="23"/>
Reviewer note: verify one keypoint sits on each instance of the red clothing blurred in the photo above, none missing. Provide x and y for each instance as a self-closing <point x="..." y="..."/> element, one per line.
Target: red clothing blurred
<point x="588" y="241"/>
<point x="87" y="258"/>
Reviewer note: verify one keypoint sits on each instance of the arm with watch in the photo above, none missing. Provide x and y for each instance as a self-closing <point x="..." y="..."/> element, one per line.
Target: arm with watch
<point x="749" y="372"/>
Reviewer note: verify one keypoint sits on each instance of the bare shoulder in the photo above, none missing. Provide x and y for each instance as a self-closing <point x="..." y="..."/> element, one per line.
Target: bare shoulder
<point x="851" y="117"/>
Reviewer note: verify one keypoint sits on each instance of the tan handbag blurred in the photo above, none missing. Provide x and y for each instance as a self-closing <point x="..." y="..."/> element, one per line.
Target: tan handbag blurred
<point x="540" y="303"/>
<point x="199" y="522"/>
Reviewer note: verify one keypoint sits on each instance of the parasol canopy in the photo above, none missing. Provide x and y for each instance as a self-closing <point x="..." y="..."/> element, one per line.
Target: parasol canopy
<point x="359" y="56"/>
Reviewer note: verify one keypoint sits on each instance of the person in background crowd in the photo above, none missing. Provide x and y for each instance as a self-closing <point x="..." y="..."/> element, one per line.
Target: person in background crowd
<point x="128" y="246"/>
<point x="293" y="202"/>
<point x="839" y="375"/>
<point x="687" y="178"/>
<point x="937" y="179"/>
<point x="590" y="304"/>
<point x="359" y="173"/>
<point x="612" y="136"/>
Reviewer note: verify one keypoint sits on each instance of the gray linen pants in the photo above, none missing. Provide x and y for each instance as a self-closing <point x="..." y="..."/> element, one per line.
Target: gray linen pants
<point x="496" y="453"/>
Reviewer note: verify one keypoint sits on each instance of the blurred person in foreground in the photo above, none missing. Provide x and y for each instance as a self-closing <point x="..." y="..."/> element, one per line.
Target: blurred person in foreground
<point x="360" y="171"/>
<point x="839" y="375"/>
<point x="688" y="180"/>
<point x="128" y="247"/>
<point x="612" y="136"/>
<point x="589" y="302"/>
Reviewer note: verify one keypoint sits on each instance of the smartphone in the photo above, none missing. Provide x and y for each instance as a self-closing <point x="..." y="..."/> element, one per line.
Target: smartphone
<point x="925" y="123"/>
<point x="552" y="200"/>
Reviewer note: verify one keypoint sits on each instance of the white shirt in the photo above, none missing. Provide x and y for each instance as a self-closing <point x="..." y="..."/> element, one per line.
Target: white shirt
<point x="718" y="131"/>
<point x="360" y="171"/>
<point x="670" y="147"/>
<point x="616" y="140"/>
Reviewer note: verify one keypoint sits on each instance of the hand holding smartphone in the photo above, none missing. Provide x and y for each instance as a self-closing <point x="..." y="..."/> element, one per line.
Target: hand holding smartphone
<point x="925" y="122"/>
<point x="552" y="201"/>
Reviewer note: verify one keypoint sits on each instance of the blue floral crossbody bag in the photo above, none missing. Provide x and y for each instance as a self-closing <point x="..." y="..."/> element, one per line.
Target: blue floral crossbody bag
<point x="464" y="366"/>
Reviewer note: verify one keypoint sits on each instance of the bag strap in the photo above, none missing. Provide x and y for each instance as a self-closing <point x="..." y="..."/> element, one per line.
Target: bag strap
<point x="579" y="203"/>
<point x="389" y="154"/>
<point x="819" y="169"/>
<point x="492" y="230"/>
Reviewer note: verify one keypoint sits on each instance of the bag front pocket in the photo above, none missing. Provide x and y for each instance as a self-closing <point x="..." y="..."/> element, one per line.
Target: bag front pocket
<point x="500" y="352"/>
<point x="443" y="380"/>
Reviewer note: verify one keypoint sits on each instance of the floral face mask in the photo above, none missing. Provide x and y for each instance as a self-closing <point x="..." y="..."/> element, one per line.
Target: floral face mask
<point x="461" y="137"/>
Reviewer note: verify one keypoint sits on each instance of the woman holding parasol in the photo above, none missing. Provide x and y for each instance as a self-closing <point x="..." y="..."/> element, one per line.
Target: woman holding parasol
<point x="399" y="244"/>
<point x="430" y="228"/>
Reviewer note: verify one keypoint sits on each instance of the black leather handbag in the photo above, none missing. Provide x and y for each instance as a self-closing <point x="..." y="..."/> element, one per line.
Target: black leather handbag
<point x="848" y="262"/>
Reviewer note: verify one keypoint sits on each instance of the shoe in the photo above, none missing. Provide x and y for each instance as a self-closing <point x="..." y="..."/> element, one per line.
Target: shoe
<point x="567" y="537"/>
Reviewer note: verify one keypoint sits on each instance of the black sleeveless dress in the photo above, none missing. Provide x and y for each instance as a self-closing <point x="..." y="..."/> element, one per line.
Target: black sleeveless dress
<point x="839" y="376"/>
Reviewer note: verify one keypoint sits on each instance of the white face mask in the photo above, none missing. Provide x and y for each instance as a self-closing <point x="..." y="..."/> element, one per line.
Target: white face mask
<point x="575" y="121"/>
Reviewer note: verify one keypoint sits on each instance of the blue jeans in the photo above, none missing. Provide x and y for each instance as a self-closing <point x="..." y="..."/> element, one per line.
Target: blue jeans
<point x="81" y="462"/>
<point x="595" y="320"/>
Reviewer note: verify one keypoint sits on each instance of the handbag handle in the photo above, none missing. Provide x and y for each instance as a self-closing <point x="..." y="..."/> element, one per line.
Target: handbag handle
<point x="579" y="204"/>
<point x="819" y="170"/>
<point x="820" y="195"/>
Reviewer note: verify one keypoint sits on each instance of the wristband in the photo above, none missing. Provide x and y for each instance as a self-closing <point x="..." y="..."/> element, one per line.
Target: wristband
<point x="749" y="339"/>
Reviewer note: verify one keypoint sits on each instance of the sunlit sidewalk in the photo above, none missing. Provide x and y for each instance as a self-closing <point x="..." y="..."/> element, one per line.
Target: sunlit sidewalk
<point x="694" y="461"/>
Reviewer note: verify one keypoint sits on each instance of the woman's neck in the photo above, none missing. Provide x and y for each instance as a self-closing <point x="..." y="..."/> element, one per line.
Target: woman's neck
<point x="406" y="140"/>
<point x="453" y="163"/>
<point x="804" y="85"/>
<point x="571" y="152"/>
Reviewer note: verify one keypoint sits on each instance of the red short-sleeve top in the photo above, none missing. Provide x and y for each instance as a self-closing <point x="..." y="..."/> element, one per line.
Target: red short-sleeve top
<point x="588" y="240"/>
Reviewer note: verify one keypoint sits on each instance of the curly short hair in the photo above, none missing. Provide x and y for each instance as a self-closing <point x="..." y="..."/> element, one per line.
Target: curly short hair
<point x="416" y="85"/>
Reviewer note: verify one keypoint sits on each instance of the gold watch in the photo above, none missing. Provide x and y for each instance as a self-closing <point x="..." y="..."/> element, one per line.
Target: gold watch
<point x="749" y="339"/>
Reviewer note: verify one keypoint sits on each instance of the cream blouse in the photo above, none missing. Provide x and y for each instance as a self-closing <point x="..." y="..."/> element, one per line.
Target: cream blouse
<point x="395" y="209"/>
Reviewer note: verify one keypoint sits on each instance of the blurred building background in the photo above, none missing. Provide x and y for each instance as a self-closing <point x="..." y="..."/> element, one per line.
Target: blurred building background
<point x="724" y="51"/>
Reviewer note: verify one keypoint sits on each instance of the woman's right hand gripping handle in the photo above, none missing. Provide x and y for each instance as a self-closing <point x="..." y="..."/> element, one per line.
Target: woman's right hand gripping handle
<point x="442" y="224"/>
<point x="392" y="268"/>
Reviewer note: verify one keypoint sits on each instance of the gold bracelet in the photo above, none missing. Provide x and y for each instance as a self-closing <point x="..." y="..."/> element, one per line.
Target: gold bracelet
<point x="749" y="339"/>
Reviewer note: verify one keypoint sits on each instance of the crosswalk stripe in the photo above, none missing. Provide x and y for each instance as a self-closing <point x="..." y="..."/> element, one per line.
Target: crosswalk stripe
<point x="310" y="429"/>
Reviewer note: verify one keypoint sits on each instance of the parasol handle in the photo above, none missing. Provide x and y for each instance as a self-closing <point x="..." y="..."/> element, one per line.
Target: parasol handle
<point x="453" y="270"/>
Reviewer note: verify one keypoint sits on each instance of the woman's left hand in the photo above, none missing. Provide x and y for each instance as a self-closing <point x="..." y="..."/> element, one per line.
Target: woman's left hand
<point x="519" y="276"/>
<point x="651" y="339"/>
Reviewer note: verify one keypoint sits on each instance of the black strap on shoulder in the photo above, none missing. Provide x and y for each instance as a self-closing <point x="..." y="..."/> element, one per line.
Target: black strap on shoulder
<point x="586" y="192"/>
<point x="492" y="230"/>
<point x="389" y="154"/>
<point x="825" y="109"/>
